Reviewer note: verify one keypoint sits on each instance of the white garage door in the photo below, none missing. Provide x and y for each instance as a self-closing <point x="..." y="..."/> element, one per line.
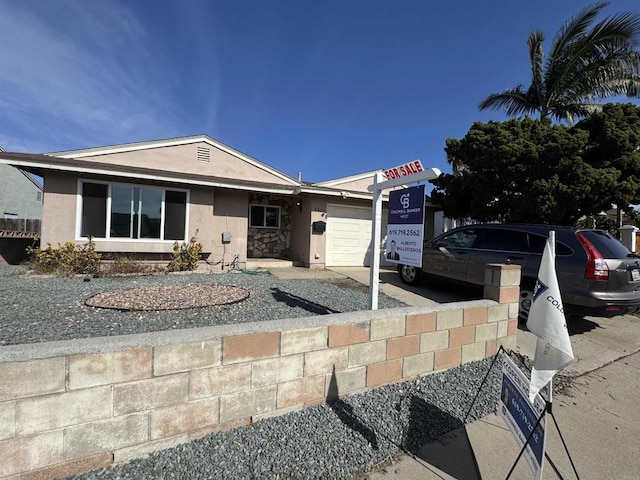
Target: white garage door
<point x="349" y="235"/>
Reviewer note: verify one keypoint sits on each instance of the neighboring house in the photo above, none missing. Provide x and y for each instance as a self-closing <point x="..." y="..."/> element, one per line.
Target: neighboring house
<point x="20" y="194"/>
<point x="140" y="198"/>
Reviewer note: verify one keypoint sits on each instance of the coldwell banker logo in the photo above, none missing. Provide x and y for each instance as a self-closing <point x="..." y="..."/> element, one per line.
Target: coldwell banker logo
<point x="539" y="290"/>
<point x="405" y="201"/>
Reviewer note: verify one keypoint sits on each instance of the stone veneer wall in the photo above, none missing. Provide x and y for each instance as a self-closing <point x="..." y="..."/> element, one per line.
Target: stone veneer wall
<point x="68" y="407"/>
<point x="270" y="242"/>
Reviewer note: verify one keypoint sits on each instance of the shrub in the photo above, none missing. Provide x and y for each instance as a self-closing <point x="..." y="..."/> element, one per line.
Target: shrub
<point x="67" y="259"/>
<point x="185" y="257"/>
<point x="124" y="265"/>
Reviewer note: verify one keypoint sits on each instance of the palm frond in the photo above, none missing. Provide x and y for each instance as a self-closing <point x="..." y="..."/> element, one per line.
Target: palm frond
<point x="514" y="101"/>
<point x="587" y="62"/>
<point x="574" y="28"/>
<point x="536" y="58"/>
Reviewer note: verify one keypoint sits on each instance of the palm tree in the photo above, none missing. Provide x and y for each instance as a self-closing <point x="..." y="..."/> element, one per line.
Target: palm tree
<point x="587" y="62"/>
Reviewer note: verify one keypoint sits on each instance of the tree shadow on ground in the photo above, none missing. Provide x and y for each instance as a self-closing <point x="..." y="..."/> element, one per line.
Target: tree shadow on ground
<point x="295" y="301"/>
<point x="346" y="414"/>
<point x="433" y="435"/>
<point x="578" y="325"/>
<point x="440" y="439"/>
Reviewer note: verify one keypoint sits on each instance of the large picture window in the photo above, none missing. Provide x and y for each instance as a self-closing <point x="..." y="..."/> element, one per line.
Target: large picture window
<point x="264" y="216"/>
<point x="132" y="212"/>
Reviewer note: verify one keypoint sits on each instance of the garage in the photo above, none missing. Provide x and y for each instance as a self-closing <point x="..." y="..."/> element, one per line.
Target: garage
<point x="349" y="235"/>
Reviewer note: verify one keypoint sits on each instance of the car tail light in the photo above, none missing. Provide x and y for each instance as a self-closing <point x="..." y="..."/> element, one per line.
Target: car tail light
<point x="597" y="268"/>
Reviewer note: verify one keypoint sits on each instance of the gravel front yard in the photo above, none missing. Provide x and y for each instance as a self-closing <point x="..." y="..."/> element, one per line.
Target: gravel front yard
<point x="38" y="308"/>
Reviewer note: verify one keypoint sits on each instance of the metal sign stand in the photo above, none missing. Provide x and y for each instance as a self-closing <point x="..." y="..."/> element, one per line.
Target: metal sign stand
<point x="548" y="409"/>
<point x="377" y="187"/>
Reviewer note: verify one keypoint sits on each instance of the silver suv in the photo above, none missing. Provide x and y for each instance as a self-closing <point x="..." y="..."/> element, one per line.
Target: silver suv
<point x="598" y="276"/>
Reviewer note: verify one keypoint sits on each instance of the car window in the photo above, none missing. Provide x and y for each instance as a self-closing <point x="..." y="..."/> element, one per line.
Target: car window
<point x="607" y="245"/>
<point x="503" y="240"/>
<point x="459" y="239"/>
<point x="537" y="243"/>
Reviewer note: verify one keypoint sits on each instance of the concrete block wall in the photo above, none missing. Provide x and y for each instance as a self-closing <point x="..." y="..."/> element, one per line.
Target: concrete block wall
<point x="69" y="407"/>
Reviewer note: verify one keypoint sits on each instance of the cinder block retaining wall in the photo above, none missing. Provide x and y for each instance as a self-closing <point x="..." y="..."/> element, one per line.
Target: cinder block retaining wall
<point x="73" y="406"/>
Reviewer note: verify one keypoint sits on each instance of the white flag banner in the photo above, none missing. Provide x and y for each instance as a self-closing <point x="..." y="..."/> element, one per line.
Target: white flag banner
<point x="548" y="323"/>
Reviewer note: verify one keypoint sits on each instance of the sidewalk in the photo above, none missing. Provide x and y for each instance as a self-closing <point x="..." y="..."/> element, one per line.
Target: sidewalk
<point x="598" y="415"/>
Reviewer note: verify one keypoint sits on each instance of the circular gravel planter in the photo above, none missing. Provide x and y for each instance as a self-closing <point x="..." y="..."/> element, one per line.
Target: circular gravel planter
<point x="172" y="297"/>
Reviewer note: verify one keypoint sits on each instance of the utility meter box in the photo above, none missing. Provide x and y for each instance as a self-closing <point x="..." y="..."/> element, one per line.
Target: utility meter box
<point x="319" y="227"/>
<point x="226" y="237"/>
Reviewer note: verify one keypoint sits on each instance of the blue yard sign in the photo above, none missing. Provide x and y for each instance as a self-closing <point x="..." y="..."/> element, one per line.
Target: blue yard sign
<point x="405" y="226"/>
<point x="521" y="415"/>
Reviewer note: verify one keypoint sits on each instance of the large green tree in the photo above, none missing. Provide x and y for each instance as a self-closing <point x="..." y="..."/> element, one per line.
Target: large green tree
<point x="587" y="61"/>
<point x="614" y="143"/>
<point x="523" y="171"/>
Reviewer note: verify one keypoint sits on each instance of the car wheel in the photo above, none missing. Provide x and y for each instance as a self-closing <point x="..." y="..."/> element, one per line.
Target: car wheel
<point x="409" y="275"/>
<point x="526" y="298"/>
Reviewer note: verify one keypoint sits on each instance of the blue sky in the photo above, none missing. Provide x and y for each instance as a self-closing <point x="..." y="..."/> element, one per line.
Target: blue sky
<point x="328" y="88"/>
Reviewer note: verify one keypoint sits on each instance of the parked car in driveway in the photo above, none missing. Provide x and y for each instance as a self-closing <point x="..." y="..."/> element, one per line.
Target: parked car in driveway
<point x="598" y="275"/>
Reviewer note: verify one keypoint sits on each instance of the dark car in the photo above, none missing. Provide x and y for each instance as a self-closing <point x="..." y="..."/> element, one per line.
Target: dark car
<point x="598" y="275"/>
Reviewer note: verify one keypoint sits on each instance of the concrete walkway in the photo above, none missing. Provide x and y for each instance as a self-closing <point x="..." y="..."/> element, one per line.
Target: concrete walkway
<point x="598" y="415"/>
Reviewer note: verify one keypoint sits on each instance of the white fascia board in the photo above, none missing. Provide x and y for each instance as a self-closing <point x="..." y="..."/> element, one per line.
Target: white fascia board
<point x="335" y="193"/>
<point x="352" y="178"/>
<point x="143" y="176"/>
<point x="172" y="142"/>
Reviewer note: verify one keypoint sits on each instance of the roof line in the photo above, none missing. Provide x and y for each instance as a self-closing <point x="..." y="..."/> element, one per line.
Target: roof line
<point x="350" y="178"/>
<point x="130" y="147"/>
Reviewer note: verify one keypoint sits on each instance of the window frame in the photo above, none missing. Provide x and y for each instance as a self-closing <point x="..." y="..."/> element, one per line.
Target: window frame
<point x="264" y="215"/>
<point x="108" y="237"/>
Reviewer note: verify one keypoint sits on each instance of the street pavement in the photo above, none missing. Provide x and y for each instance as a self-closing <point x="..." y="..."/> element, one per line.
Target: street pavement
<point x="598" y="415"/>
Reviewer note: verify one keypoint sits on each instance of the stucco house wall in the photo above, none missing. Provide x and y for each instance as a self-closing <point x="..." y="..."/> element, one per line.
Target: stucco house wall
<point x="185" y="159"/>
<point x="229" y="215"/>
<point x="20" y="197"/>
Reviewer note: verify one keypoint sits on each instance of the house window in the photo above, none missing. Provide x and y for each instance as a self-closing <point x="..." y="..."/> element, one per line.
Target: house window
<point x="264" y="216"/>
<point x="132" y="212"/>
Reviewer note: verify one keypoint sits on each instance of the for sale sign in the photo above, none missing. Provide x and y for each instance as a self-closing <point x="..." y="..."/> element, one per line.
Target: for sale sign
<point x="405" y="170"/>
<point x="405" y="226"/>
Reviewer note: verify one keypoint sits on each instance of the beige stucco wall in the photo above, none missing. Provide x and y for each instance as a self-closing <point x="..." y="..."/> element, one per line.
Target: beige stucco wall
<point x="183" y="159"/>
<point x="230" y="214"/>
<point x="58" y="209"/>
<point x="300" y="231"/>
<point x="317" y="242"/>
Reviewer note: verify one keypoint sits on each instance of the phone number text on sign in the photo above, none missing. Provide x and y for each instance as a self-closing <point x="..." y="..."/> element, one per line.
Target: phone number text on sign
<point x="404" y="231"/>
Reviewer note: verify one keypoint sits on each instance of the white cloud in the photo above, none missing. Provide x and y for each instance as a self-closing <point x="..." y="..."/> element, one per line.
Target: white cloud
<point x="83" y="73"/>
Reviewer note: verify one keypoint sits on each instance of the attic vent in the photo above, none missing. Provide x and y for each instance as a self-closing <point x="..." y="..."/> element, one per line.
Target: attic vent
<point x="203" y="154"/>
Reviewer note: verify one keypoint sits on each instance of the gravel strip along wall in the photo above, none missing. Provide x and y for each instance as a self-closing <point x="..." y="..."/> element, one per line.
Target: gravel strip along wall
<point x="73" y="406"/>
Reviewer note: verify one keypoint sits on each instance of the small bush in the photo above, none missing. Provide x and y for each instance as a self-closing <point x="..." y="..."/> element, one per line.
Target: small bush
<point x="185" y="257"/>
<point x="68" y="259"/>
<point x="124" y="265"/>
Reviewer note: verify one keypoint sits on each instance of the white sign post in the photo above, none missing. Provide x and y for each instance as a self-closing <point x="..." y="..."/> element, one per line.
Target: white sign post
<point x="408" y="173"/>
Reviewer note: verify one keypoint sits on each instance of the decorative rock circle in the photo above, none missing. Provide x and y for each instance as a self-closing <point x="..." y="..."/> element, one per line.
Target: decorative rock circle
<point x="173" y="297"/>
